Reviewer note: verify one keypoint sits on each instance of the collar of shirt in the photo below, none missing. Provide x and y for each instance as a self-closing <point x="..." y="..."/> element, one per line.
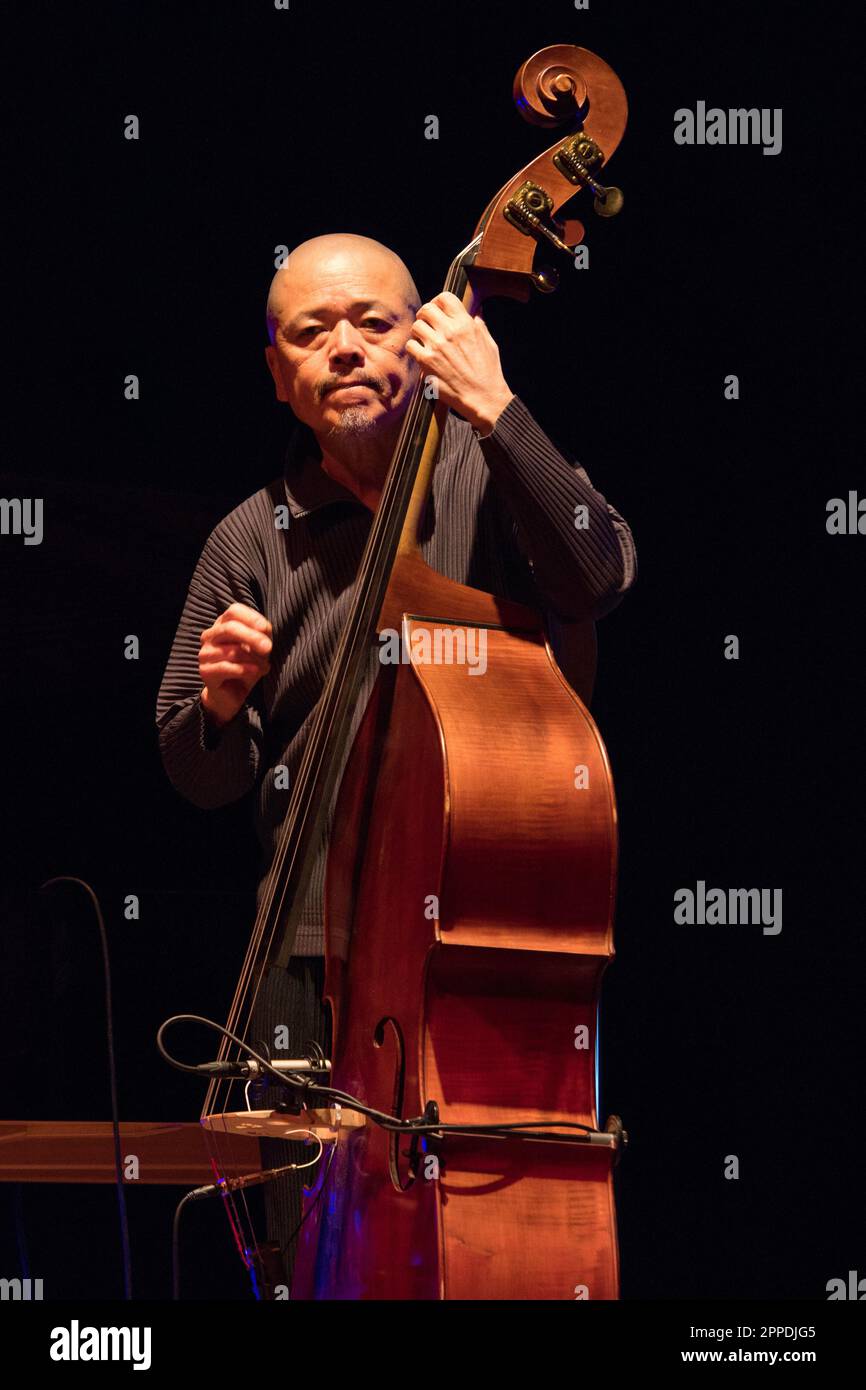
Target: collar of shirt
<point x="307" y="486"/>
<point x="306" y="483"/>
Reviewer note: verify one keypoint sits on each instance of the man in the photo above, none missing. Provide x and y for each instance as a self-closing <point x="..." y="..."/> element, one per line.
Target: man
<point x="267" y="603"/>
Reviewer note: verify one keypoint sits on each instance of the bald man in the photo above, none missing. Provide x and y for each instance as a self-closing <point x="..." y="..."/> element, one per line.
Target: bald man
<point x="348" y="339"/>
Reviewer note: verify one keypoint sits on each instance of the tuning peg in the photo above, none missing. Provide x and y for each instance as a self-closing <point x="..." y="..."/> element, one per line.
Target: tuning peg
<point x="576" y="158"/>
<point x="545" y="279"/>
<point x="608" y="201"/>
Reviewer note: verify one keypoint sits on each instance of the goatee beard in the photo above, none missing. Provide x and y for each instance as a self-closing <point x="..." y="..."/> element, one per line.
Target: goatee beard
<point x="355" y="422"/>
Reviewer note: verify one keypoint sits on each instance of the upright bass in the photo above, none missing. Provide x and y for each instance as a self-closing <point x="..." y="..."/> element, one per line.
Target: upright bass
<point x="470" y="882"/>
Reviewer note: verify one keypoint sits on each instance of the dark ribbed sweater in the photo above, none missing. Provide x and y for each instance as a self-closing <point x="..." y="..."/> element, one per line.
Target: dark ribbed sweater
<point x="501" y="516"/>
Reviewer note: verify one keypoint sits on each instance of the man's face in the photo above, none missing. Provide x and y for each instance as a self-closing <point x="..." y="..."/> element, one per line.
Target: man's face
<point x="339" y="357"/>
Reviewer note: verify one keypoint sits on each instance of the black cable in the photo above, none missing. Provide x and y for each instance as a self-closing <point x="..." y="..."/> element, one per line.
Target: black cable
<point x="175" y="1244"/>
<point x="112" y="1073"/>
<point x="16" y="1196"/>
<point x="284" y="1249"/>
<point x="296" y="1082"/>
<point x="417" y="1127"/>
<point x="516" y="1129"/>
<point x="205" y="1069"/>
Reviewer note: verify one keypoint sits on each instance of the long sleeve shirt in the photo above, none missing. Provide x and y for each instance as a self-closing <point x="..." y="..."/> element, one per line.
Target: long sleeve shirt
<point x="502" y="515"/>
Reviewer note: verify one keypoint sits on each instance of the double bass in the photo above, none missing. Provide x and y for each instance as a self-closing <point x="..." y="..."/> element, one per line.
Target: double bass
<point x="470" y="881"/>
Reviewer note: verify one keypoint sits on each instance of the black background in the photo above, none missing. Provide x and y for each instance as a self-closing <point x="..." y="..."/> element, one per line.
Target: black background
<point x="261" y="128"/>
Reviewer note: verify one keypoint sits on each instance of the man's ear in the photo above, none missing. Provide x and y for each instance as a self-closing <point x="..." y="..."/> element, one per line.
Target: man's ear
<point x="274" y="369"/>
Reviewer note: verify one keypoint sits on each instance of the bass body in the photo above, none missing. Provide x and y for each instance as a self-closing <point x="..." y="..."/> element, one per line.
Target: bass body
<point x="469" y="907"/>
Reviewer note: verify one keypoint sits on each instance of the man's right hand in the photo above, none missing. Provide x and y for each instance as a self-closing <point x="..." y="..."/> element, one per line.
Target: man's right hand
<point x="233" y="656"/>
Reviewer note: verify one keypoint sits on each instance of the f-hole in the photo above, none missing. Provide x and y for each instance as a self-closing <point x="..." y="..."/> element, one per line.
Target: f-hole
<point x="394" y="1138"/>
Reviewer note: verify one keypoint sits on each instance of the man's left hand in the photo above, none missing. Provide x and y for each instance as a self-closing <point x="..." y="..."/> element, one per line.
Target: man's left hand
<point x="455" y="348"/>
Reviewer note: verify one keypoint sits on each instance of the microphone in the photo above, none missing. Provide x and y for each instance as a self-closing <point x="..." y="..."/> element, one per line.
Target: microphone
<point x="247" y="1180"/>
<point x="250" y="1069"/>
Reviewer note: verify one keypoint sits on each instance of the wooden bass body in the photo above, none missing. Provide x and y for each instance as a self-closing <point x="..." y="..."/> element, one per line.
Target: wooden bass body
<point x="469" y="907"/>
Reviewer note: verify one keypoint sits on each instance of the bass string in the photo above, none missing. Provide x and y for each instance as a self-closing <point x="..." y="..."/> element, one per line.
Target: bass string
<point x="390" y="514"/>
<point x="379" y="551"/>
<point x="393" y="509"/>
<point x="308" y="774"/>
<point x="378" y="554"/>
<point x="243" y="1230"/>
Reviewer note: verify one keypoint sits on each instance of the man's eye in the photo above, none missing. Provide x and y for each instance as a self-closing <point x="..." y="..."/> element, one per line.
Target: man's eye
<point x="376" y="323"/>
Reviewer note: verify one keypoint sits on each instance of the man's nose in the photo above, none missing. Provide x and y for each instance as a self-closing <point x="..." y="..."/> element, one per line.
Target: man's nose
<point x="346" y="342"/>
